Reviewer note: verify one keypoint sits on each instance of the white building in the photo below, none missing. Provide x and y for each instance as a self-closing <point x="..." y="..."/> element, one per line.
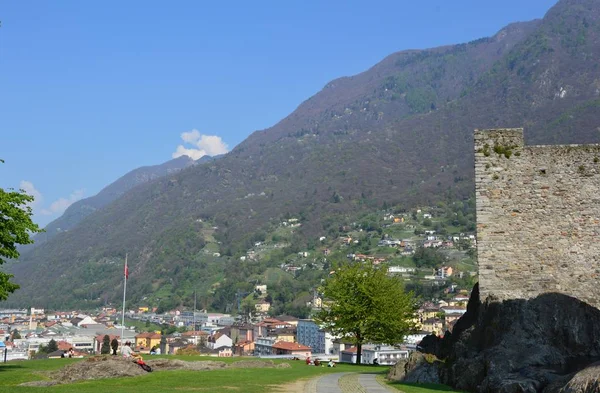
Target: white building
<point x="401" y="269"/>
<point x="263" y="346"/>
<point x="415" y="338"/>
<point x="385" y="355"/>
<point x="219" y="340"/>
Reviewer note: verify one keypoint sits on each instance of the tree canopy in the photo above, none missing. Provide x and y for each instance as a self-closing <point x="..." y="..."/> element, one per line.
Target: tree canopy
<point x="105" y="349"/>
<point x="16" y="227"/>
<point x="51" y="347"/>
<point x="364" y="304"/>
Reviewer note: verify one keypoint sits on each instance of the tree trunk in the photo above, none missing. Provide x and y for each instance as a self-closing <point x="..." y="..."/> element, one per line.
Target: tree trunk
<point x="358" y="352"/>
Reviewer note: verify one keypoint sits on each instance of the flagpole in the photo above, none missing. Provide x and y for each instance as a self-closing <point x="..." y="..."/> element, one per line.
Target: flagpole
<point x="124" y="292"/>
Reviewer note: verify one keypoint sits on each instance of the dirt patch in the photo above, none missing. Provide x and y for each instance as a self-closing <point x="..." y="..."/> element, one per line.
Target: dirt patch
<point x="300" y="386"/>
<point x="176" y="364"/>
<point x="253" y="364"/>
<point x="99" y="367"/>
<point x="39" y="383"/>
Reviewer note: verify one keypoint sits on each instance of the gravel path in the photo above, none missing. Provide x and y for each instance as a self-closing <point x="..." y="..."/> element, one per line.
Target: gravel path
<point x="329" y="383"/>
<point x="346" y="383"/>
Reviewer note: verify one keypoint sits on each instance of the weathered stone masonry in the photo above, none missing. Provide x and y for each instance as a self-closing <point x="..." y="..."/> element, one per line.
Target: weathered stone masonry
<point x="538" y="217"/>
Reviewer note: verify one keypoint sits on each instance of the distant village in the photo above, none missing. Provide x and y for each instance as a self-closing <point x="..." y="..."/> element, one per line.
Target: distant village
<point x="388" y="249"/>
<point x="26" y="332"/>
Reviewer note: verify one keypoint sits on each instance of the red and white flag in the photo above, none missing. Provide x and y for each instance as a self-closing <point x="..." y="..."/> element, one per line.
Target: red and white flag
<point x="126" y="270"/>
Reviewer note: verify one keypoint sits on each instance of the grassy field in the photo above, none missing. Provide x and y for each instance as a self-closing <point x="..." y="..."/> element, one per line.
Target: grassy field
<point x="227" y="380"/>
<point x="245" y="380"/>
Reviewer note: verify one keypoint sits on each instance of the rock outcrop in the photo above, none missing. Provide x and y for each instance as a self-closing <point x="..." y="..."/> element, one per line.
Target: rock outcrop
<point x="585" y="381"/>
<point x="418" y="368"/>
<point x="521" y="346"/>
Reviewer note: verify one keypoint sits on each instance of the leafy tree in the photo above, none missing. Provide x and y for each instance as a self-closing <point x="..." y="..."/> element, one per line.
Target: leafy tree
<point x="105" y="349"/>
<point x="16" y="227"/>
<point x="163" y="342"/>
<point x="16" y="335"/>
<point x="114" y="344"/>
<point x="52" y="346"/>
<point x="247" y="308"/>
<point x="428" y="257"/>
<point x="366" y="305"/>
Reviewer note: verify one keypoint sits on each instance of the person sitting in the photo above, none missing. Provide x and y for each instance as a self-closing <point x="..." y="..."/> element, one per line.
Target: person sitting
<point x="317" y="362"/>
<point x="153" y="350"/>
<point x="331" y="363"/>
<point x="127" y="351"/>
<point x="308" y="360"/>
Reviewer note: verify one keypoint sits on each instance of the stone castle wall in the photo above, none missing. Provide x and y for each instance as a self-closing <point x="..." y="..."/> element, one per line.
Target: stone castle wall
<point x="538" y="217"/>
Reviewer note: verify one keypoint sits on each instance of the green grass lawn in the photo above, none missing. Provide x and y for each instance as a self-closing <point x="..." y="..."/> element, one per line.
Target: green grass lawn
<point x="228" y="380"/>
<point x="421" y="388"/>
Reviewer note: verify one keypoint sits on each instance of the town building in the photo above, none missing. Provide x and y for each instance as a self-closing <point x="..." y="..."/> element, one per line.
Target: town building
<point x="310" y="334"/>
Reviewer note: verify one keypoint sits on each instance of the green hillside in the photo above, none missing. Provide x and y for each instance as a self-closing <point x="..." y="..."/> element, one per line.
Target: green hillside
<point x="399" y="134"/>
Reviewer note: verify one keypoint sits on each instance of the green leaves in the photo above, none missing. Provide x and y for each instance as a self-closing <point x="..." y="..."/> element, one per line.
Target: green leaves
<point x="16" y="227"/>
<point x="364" y="304"/>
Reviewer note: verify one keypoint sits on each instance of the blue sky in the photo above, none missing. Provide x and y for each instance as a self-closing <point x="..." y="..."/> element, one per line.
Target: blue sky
<point x="91" y="90"/>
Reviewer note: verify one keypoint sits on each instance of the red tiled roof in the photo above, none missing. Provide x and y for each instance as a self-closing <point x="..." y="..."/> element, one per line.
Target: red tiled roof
<point x="64" y="346"/>
<point x="288" y="346"/>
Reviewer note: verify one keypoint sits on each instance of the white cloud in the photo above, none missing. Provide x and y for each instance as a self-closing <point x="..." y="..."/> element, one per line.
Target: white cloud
<point x="42" y="213"/>
<point x="61" y="204"/>
<point x="201" y="145"/>
<point x="30" y="189"/>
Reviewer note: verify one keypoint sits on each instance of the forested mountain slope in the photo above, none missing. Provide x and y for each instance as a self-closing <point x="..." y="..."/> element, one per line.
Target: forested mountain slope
<point x="401" y="132"/>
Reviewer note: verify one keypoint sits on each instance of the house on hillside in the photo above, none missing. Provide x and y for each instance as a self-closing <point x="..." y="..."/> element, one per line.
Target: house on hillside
<point x="401" y="269"/>
<point x="433" y="325"/>
<point x="444" y="272"/>
<point x="262" y="306"/>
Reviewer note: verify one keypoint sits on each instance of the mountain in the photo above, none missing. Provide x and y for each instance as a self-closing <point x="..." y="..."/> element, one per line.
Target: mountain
<point x="83" y="208"/>
<point x="400" y="132"/>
